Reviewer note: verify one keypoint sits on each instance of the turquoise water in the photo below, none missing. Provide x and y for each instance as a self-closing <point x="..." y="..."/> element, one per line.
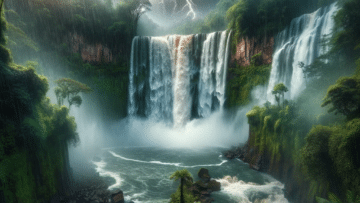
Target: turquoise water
<point x="143" y="174"/>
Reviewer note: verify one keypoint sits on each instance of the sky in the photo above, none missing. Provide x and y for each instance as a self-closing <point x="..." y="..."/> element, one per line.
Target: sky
<point x="170" y="13"/>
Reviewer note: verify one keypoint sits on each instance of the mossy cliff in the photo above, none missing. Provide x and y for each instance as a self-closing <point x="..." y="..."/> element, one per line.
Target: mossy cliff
<point x="89" y="41"/>
<point x="313" y="152"/>
<point x="241" y="80"/>
<point x="34" y="134"/>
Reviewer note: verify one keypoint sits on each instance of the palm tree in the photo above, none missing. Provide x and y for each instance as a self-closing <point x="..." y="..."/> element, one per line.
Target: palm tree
<point x="182" y="175"/>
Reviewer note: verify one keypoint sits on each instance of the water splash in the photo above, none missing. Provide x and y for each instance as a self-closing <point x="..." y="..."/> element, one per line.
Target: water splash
<point x="248" y="192"/>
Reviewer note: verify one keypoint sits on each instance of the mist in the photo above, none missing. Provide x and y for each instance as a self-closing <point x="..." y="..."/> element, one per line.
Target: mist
<point x="167" y="15"/>
<point x="214" y="131"/>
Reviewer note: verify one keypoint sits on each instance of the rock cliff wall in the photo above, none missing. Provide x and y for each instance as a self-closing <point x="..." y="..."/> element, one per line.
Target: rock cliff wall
<point x="247" y="47"/>
<point x="90" y="52"/>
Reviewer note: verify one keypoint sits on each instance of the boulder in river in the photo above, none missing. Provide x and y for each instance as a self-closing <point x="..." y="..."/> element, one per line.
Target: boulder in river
<point x="204" y="175"/>
<point x="117" y="197"/>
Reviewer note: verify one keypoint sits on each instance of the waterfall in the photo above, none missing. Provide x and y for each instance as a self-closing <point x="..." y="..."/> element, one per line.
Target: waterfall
<point x="300" y="42"/>
<point x="176" y="78"/>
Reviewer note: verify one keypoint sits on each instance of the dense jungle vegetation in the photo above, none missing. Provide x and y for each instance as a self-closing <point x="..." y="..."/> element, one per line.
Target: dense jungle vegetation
<point x="297" y="136"/>
<point x="34" y="134"/>
<point x="45" y="29"/>
<point x="301" y="139"/>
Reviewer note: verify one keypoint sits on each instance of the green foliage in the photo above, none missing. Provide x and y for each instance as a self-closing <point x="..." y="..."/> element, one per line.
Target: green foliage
<point x="33" y="133"/>
<point x="188" y="196"/>
<point x="279" y="91"/>
<point x="96" y="22"/>
<point x="18" y="39"/>
<point x="350" y="198"/>
<point x="347" y="28"/>
<point x="274" y="132"/>
<point x="32" y="141"/>
<point x="266" y="17"/>
<point x="315" y="156"/>
<point x="330" y="156"/>
<point x="113" y="92"/>
<point x="68" y="88"/>
<point x="242" y="80"/>
<point x="182" y="194"/>
<point x="5" y="55"/>
<point x="344" y="97"/>
<point x="181" y="174"/>
<point x="3" y="23"/>
<point x="214" y="21"/>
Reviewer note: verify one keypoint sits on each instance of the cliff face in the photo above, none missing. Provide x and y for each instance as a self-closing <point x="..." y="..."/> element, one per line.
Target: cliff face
<point x="247" y="47"/>
<point x="90" y="52"/>
<point x="297" y="188"/>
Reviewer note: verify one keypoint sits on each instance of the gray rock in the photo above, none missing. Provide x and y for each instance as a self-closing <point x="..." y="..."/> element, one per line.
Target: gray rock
<point x="204" y="174"/>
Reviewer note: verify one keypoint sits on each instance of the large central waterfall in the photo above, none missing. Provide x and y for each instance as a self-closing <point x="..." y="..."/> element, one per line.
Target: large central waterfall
<point x="300" y="42"/>
<point x="176" y="78"/>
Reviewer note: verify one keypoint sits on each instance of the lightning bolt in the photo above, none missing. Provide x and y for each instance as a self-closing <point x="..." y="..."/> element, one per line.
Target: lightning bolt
<point x="190" y="5"/>
<point x="175" y="6"/>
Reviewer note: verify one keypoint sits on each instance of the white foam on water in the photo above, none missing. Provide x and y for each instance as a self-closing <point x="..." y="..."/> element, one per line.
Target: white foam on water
<point x="165" y="163"/>
<point x="249" y="192"/>
<point x="139" y="161"/>
<point x="206" y="165"/>
<point x="104" y="173"/>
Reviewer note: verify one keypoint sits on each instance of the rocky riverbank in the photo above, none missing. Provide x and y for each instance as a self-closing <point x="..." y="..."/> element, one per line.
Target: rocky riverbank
<point x="203" y="188"/>
<point x="296" y="188"/>
<point x="249" y="155"/>
<point x="89" y="187"/>
<point x="93" y="190"/>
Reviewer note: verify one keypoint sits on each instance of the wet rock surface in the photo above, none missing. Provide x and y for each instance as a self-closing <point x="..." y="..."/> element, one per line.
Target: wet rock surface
<point x="256" y="161"/>
<point x="203" y="188"/>
<point x="91" y="188"/>
<point x="96" y="193"/>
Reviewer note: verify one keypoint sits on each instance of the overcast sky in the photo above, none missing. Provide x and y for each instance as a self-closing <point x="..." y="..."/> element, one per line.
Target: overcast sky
<point x="170" y="12"/>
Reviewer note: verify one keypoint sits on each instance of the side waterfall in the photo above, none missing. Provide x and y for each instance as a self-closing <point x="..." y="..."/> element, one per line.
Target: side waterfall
<point x="177" y="78"/>
<point x="300" y="42"/>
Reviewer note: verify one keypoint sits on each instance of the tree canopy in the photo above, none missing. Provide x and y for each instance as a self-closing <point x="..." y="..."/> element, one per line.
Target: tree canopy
<point x="344" y="97"/>
<point x="184" y="176"/>
<point x="279" y="91"/>
<point x="68" y="88"/>
<point x="267" y="17"/>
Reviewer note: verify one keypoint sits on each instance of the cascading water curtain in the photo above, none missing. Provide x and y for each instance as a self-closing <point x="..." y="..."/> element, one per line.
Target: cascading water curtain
<point x="299" y="43"/>
<point x="176" y="78"/>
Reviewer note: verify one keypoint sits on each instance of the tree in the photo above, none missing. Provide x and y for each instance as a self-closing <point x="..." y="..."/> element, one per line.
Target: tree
<point x="68" y="88"/>
<point x="315" y="158"/>
<point x="279" y="91"/>
<point x="344" y="96"/>
<point x="183" y="175"/>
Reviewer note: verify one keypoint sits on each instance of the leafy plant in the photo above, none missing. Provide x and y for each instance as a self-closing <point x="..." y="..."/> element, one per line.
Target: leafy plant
<point x="184" y="196"/>
<point x="344" y="97"/>
<point x="350" y="198"/>
<point x="68" y="88"/>
<point x="279" y="91"/>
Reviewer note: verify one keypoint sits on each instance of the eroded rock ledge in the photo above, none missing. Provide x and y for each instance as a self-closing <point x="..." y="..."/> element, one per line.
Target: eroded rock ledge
<point x="247" y="47"/>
